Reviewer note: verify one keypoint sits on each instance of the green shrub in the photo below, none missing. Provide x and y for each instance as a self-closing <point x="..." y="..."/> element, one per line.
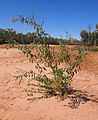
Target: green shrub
<point x="59" y="84"/>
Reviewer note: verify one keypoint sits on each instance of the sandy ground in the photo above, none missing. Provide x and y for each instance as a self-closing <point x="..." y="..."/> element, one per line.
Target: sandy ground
<point x="14" y="103"/>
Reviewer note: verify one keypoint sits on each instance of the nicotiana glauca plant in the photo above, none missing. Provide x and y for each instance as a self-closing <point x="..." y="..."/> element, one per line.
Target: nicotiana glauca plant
<point x="61" y="63"/>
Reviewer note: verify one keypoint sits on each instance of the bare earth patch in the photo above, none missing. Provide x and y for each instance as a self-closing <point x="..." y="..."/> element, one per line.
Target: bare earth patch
<point x="14" y="103"/>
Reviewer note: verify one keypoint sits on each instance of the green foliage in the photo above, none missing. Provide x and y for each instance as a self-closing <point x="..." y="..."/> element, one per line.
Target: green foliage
<point x="59" y="83"/>
<point x="92" y="48"/>
<point x="10" y="35"/>
<point x="84" y="35"/>
<point x="88" y="37"/>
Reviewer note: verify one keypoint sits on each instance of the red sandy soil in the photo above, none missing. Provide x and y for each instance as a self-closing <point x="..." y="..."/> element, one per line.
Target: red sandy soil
<point x="13" y="99"/>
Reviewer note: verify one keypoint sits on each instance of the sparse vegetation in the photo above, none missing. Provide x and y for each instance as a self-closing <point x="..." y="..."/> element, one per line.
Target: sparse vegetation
<point x="48" y="60"/>
<point x="59" y="83"/>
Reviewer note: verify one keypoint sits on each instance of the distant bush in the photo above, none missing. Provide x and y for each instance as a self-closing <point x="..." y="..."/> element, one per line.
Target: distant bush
<point x="94" y="49"/>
